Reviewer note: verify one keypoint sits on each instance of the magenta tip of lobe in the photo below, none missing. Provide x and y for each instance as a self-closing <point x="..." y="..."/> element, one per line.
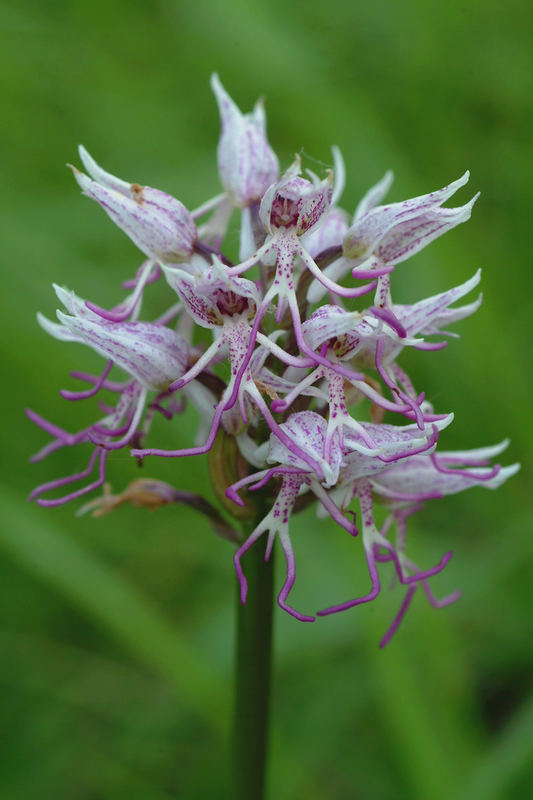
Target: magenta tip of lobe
<point x="231" y="494"/>
<point x="446" y="557"/>
<point x="294" y="613"/>
<point x="66" y="394"/>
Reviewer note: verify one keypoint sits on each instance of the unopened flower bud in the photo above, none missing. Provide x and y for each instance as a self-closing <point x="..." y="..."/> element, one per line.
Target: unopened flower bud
<point x="246" y="162"/>
<point x="159" y="224"/>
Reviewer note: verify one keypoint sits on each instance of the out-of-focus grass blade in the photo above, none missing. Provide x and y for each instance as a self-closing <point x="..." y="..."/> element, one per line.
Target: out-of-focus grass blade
<point x="505" y="760"/>
<point x="408" y="722"/>
<point x="111" y="601"/>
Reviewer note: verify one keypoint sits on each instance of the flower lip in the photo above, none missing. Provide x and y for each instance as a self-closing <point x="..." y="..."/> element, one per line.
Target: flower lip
<point x="307" y="430"/>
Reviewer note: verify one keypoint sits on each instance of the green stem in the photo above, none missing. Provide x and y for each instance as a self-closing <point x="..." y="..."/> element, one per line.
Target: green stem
<point x="252" y="678"/>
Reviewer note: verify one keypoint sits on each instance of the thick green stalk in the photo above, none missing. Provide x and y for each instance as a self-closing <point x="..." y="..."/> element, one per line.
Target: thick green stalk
<point x="252" y="678"/>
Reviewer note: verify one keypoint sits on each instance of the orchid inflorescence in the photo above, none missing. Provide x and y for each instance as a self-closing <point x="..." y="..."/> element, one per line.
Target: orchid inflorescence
<point x="310" y="378"/>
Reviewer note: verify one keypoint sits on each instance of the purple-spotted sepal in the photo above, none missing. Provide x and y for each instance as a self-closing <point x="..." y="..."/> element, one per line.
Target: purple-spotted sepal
<point x="395" y="232"/>
<point x="152" y="354"/>
<point x="156" y="222"/>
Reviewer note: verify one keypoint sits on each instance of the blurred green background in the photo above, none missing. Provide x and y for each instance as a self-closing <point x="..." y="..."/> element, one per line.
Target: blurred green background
<point x="117" y="634"/>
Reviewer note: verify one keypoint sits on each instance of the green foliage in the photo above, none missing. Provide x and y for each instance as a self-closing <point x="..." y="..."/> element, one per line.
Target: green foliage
<point x="117" y="633"/>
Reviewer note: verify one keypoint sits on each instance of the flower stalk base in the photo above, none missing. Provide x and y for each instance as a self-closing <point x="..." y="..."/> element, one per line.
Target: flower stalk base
<point x="252" y="678"/>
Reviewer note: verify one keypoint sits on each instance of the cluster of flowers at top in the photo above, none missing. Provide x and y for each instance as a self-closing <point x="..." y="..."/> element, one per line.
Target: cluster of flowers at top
<point x="310" y="378"/>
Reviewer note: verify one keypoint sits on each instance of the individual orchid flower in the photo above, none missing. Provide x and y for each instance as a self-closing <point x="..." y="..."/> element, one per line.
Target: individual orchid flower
<point x="227" y="305"/>
<point x="374" y="339"/>
<point x="151" y="354"/>
<point x="394" y="329"/>
<point x="306" y="431"/>
<point x="156" y="222"/>
<point x="404" y="487"/>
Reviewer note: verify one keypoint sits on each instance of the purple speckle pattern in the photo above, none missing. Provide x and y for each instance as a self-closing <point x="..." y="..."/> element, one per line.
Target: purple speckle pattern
<point x="294" y="367"/>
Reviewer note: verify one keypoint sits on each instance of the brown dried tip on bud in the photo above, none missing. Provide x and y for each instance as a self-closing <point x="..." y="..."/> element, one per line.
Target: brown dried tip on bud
<point x="142" y="493"/>
<point x="137" y="193"/>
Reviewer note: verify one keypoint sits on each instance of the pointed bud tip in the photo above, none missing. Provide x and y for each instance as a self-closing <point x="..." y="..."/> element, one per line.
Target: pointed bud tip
<point x="81" y="178"/>
<point x="260" y="103"/>
<point x="62" y="293"/>
<point x="221" y="96"/>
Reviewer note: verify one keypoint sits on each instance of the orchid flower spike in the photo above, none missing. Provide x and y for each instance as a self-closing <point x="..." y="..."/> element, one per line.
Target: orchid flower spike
<point x="290" y="392"/>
